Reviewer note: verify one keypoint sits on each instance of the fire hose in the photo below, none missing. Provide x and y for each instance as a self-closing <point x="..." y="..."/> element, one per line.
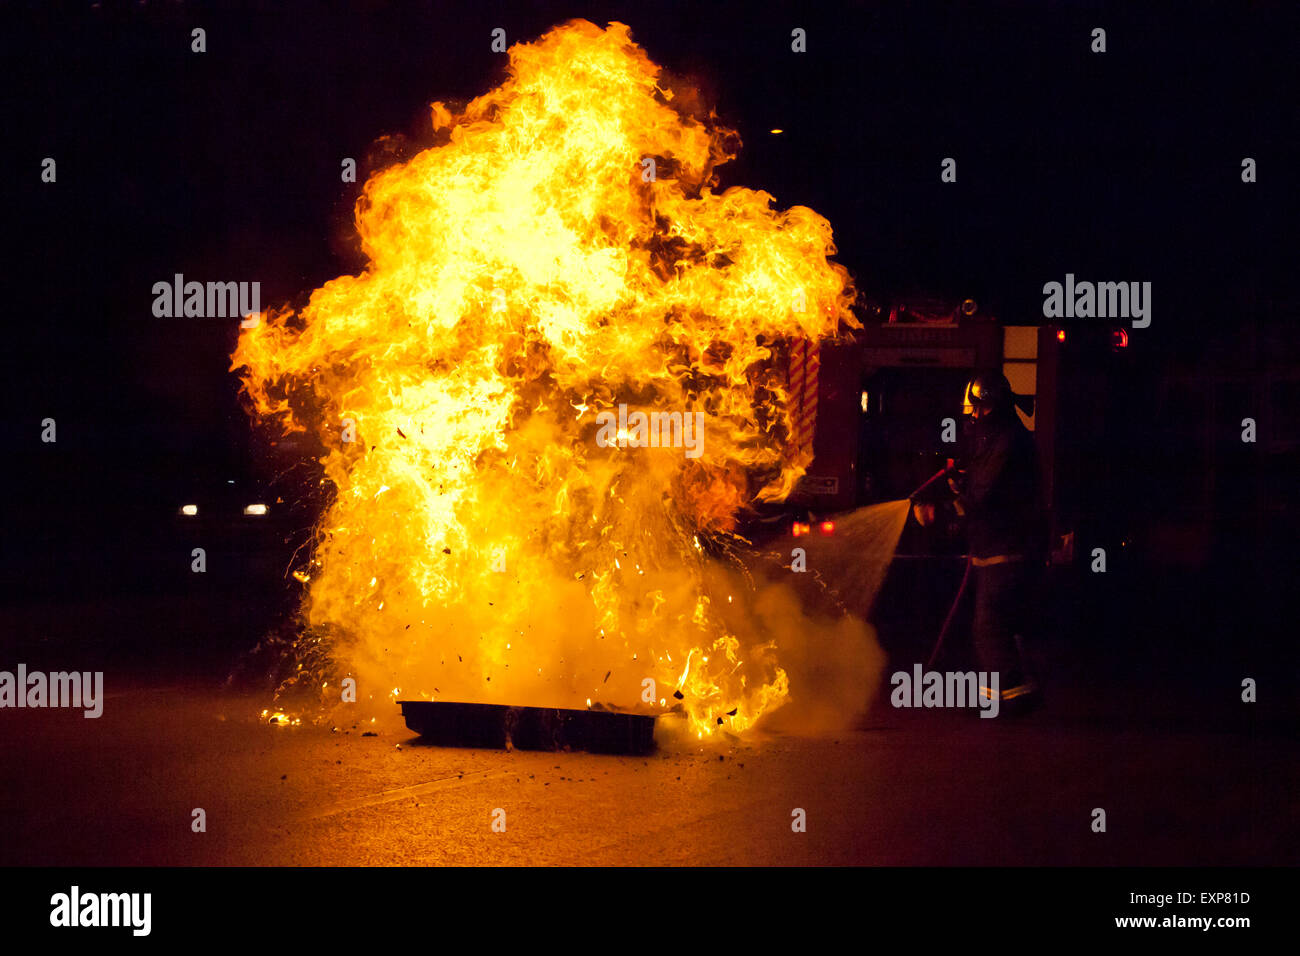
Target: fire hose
<point x="943" y="472"/>
<point x="947" y="621"/>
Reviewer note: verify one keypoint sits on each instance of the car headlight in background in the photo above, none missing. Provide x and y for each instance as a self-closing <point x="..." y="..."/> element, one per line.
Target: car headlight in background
<point x="189" y="510"/>
<point x="258" y="509"/>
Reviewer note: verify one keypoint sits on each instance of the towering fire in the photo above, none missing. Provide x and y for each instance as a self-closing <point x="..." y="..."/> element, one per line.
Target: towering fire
<point x="558" y="251"/>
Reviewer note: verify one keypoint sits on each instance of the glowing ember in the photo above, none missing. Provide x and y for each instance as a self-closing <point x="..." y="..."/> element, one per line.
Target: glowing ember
<point x="558" y="252"/>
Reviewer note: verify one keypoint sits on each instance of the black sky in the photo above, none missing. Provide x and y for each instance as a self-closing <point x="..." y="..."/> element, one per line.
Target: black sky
<point x="1120" y="166"/>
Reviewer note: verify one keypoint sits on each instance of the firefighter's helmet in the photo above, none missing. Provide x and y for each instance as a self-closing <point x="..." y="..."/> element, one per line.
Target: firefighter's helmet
<point x="988" y="390"/>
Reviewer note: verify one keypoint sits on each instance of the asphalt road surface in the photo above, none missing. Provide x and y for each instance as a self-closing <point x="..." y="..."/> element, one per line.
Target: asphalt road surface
<point x="912" y="787"/>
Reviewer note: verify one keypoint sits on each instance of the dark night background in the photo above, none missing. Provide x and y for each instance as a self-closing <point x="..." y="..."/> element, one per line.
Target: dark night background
<point x="1122" y="166"/>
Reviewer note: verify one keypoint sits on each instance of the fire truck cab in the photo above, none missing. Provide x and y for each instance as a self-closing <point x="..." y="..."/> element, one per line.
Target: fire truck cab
<point x="883" y="413"/>
<point x="879" y="412"/>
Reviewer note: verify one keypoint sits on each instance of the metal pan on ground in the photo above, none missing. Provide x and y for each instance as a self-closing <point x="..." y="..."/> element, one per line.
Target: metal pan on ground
<point x="451" y="724"/>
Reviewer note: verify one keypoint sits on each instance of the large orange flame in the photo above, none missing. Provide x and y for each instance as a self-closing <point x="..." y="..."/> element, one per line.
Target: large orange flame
<point x="557" y="252"/>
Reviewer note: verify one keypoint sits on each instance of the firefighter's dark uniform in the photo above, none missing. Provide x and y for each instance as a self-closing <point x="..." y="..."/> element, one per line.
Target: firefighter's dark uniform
<point x="1000" y="502"/>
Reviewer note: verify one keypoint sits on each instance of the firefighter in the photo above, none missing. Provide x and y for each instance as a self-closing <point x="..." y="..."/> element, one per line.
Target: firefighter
<point x="996" y="496"/>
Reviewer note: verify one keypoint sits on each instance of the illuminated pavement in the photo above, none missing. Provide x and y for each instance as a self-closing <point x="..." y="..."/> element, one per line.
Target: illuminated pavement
<point x="920" y="788"/>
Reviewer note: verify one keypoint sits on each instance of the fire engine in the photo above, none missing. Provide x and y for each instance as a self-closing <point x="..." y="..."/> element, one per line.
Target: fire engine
<point x="872" y="412"/>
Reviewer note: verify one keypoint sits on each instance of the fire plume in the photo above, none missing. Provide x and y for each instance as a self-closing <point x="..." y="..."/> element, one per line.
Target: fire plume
<point x="557" y="251"/>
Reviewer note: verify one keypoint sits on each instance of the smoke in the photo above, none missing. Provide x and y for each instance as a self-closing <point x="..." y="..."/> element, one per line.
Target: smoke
<point x="828" y="647"/>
